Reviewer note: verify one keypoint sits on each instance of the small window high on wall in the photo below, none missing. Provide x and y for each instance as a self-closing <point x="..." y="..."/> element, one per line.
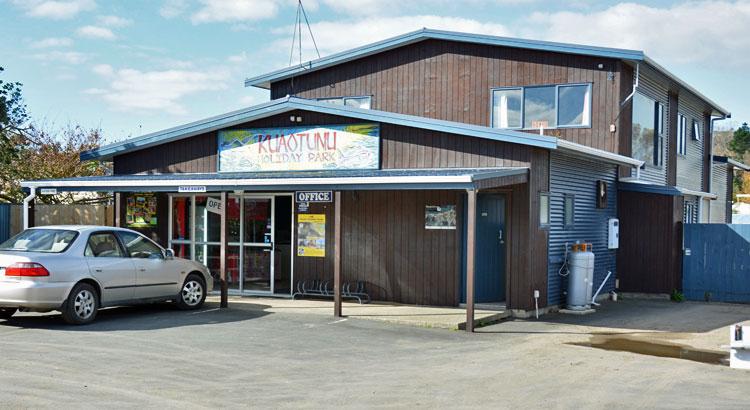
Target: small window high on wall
<point x="681" y="134"/>
<point x="363" y="102"/>
<point x="549" y="106"/>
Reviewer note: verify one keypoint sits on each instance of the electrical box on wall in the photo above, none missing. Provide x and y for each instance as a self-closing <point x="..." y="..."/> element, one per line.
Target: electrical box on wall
<point x="613" y="241"/>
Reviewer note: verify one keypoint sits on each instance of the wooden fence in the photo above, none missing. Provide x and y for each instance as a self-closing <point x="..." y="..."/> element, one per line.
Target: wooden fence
<point x="58" y="215"/>
<point x="716" y="263"/>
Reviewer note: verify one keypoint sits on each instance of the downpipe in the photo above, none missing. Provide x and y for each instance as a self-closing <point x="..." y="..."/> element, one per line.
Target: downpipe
<point x="26" y="202"/>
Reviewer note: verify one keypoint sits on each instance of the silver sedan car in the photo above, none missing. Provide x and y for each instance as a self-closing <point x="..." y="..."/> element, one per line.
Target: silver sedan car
<point x="79" y="269"/>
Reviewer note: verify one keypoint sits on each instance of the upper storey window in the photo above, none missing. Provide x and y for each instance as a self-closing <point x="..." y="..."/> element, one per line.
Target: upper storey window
<point x="648" y="130"/>
<point x="363" y="102"/>
<point x="551" y="106"/>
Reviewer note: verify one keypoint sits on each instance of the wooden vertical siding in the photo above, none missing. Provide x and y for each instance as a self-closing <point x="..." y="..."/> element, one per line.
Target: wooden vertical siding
<point x="401" y="147"/>
<point x="453" y="81"/>
<point x="650" y="256"/>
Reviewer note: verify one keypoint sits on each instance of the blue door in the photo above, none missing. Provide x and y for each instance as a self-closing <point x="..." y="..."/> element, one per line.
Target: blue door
<point x="490" y="249"/>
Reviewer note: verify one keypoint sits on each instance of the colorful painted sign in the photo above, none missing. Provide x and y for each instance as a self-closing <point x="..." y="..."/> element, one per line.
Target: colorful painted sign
<point x="328" y="147"/>
<point x="140" y="211"/>
<point x="311" y="235"/>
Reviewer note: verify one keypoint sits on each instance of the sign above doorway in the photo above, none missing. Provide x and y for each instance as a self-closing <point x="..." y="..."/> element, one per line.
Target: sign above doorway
<point x="313" y="196"/>
<point x="191" y="189"/>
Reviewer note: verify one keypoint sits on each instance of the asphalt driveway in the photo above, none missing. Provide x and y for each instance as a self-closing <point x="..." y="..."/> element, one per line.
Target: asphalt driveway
<point x="156" y="356"/>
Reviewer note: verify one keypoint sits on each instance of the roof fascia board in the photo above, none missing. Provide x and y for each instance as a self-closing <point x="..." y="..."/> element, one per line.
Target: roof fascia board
<point x="567" y="146"/>
<point x="265" y="80"/>
<point x="291" y="103"/>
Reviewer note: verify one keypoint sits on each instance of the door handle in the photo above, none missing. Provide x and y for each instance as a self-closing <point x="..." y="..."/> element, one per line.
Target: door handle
<point x="98" y="270"/>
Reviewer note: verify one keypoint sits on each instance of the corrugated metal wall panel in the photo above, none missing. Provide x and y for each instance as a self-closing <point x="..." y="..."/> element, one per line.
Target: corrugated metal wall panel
<point x="690" y="210"/>
<point x="571" y="175"/>
<point x="4" y="222"/>
<point x="690" y="166"/>
<point x="650" y="85"/>
<point x="719" y="187"/>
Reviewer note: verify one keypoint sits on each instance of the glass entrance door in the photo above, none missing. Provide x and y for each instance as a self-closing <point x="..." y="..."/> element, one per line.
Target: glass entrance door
<point x="258" y="244"/>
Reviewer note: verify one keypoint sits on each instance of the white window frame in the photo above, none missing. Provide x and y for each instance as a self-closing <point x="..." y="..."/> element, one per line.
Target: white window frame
<point x="659" y="154"/>
<point x="681" y="134"/>
<point x="587" y="106"/>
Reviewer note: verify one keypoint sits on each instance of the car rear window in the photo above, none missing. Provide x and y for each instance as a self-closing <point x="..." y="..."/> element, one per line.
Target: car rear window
<point x="40" y="240"/>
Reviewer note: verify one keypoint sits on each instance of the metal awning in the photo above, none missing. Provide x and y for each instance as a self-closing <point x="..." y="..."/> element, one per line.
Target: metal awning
<point x="392" y="179"/>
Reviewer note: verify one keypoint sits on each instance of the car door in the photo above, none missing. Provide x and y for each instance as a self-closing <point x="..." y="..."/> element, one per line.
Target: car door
<point x="110" y="266"/>
<point x="155" y="276"/>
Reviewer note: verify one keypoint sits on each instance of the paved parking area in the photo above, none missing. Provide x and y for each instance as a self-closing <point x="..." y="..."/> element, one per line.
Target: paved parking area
<point x="157" y="357"/>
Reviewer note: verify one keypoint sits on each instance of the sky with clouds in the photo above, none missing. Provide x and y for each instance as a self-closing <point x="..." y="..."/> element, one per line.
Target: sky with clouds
<point x="137" y="66"/>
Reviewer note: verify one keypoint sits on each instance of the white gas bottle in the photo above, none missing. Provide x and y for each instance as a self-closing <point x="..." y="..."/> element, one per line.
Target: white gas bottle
<point x="581" y="277"/>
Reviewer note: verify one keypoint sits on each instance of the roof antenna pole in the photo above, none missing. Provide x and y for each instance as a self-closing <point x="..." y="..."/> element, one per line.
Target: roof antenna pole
<point x="309" y="28"/>
<point x="294" y="37"/>
<point x="297" y="34"/>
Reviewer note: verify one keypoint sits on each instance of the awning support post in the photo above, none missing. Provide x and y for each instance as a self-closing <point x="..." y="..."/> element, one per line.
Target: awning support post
<point x="118" y="204"/>
<point x="223" y="253"/>
<point x="337" y="256"/>
<point x="28" y="202"/>
<point x="471" y="222"/>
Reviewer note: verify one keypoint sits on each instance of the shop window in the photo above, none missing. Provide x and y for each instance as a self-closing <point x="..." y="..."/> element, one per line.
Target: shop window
<point x="552" y="106"/>
<point x="440" y="217"/>
<point x="544" y="209"/>
<point x="364" y="102"/>
<point x="569" y="210"/>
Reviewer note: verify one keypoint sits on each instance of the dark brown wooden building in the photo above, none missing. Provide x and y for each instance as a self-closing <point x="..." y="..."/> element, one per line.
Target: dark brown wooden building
<point x="428" y="165"/>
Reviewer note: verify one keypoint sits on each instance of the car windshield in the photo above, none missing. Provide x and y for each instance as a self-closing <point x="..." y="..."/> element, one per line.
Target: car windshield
<point x="40" y="240"/>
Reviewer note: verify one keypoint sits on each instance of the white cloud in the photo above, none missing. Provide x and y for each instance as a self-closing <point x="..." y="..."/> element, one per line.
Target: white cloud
<point x="68" y="57"/>
<point x="104" y="70"/>
<point x="238" y="58"/>
<point x="334" y="36"/>
<point x="238" y="10"/>
<point x="133" y="90"/>
<point x="173" y="8"/>
<point x="52" y="42"/>
<point x="96" y="32"/>
<point x="54" y="9"/>
<point x="114" y="21"/>
<point x="707" y="32"/>
<point x="397" y="7"/>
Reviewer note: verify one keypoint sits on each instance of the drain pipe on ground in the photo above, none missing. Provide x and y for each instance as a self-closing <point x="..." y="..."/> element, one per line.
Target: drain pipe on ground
<point x="26" y="201"/>
<point x="593" y="299"/>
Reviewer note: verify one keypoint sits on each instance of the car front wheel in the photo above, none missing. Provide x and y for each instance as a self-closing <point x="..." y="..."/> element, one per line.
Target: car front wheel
<point x="193" y="293"/>
<point x="81" y="306"/>
<point x="7" y="313"/>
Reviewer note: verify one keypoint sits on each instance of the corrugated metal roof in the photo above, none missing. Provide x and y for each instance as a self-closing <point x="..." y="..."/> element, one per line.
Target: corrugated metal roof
<point x="287" y="104"/>
<point x="265" y="80"/>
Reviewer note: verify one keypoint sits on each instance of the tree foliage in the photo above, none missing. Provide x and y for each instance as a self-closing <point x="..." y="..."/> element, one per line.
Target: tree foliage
<point x="740" y="143"/>
<point x="29" y="152"/>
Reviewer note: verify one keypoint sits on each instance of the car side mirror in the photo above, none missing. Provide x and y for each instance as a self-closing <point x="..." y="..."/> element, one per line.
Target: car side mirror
<point x="168" y="254"/>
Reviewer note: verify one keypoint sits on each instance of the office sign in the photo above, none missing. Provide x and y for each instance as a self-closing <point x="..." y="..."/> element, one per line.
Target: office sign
<point x="313" y="196"/>
<point x="191" y="189"/>
<point x="324" y="147"/>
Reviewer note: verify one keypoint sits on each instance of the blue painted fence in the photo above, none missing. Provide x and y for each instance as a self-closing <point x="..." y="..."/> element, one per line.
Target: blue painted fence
<point x="4" y="222"/>
<point x="718" y="267"/>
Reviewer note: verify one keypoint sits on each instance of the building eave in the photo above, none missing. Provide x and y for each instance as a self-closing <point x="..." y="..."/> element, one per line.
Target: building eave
<point x="288" y="104"/>
<point x="265" y="80"/>
<point x="601" y="155"/>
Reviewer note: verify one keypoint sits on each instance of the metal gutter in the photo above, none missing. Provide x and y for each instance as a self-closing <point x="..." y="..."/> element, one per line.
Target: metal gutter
<point x="701" y="194"/>
<point x="265" y="80"/>
<point x="564" y="145"/>
<point x="287" y="104"/>
<point x="730" y="161"/>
